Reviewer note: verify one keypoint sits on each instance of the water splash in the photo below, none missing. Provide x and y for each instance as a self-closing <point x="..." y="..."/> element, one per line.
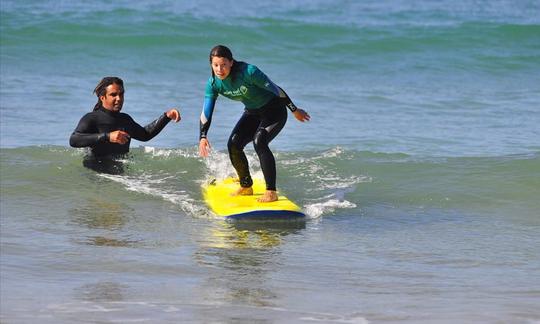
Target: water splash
<point x="145" y="184"/>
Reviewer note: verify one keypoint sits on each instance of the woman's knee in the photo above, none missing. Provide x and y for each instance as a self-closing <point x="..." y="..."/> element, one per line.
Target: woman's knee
<point x="234" y="143"/>
<point x="260" y="140"/>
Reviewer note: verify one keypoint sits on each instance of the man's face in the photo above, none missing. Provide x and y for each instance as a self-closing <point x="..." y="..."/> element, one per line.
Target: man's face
<point x="113" y="98"/>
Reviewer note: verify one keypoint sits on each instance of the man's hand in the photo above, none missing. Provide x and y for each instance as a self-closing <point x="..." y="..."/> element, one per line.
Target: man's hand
<point x="174" y="114"/>
<point x="118" y="137"/>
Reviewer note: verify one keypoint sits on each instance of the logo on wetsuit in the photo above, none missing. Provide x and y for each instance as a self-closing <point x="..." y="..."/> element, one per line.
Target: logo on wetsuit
<point x="236" y="93"/>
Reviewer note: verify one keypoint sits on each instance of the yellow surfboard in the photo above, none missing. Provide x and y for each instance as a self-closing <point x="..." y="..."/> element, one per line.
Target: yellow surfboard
<point x="217" y="195"/>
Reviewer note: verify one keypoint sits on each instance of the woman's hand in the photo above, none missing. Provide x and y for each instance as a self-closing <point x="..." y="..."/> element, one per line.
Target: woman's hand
<point x="118" y="137"/>
<point x="301" y="115"/>
<point x="174" y="114"/>
<point x="204" y="147"/>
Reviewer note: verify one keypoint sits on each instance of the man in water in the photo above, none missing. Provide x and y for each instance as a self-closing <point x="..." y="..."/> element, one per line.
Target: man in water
<point x="108" y="132"/>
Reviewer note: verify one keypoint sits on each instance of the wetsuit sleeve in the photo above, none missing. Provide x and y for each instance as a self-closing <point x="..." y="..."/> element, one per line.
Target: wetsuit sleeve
<point x="262" y="81"/>
<point x="86" y="133"/>
<point x="208" y="109"/>
<point x="149" y="131"/>
<point x="287" y="100"/>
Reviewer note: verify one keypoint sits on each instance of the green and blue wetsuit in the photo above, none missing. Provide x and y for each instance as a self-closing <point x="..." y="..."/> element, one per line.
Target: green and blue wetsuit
<point x="264" y="116"/>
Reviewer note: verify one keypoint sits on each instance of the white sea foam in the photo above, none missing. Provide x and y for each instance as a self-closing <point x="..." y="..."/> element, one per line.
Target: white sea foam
<point x="162" y="152"/>
<point x="146" y="185"/>
<point x="81" y="307"/>
<point x="219" y="165"/>
<point x="318" y="209"/>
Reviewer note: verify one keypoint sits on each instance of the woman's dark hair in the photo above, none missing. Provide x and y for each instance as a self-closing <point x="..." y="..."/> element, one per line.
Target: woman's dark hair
<point x="101" y="88"/>
<point x="222" y="51"/>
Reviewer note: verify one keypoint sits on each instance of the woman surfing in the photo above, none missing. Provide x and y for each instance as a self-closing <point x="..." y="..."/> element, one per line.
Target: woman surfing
<point x="265" y="114"/>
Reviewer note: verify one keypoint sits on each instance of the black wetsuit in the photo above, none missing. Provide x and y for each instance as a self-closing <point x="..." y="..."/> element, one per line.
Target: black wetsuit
<point x="93" y="132"/>
<point x="260" y="126"/>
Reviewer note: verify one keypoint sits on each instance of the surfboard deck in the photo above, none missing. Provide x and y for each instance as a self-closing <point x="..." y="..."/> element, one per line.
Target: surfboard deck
<point x="217" y="195"/>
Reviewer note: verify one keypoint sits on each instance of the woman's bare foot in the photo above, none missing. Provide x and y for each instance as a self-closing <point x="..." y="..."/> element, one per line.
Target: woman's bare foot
<point x="268" y="196"/>
<point x="243" y="192"/>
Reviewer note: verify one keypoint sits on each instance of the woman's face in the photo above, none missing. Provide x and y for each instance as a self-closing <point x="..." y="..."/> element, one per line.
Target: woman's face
<point x="221" y="66"/>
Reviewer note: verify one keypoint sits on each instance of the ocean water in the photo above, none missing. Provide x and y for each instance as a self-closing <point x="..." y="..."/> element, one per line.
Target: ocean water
<point x="419" y="172"/>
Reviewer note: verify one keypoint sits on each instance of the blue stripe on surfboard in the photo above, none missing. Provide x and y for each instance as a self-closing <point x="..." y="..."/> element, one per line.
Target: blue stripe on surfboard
<point x="267" y="214"/>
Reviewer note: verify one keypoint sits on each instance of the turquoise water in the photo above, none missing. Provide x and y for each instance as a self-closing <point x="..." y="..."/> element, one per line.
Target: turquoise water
<point x="419" y="172"/>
